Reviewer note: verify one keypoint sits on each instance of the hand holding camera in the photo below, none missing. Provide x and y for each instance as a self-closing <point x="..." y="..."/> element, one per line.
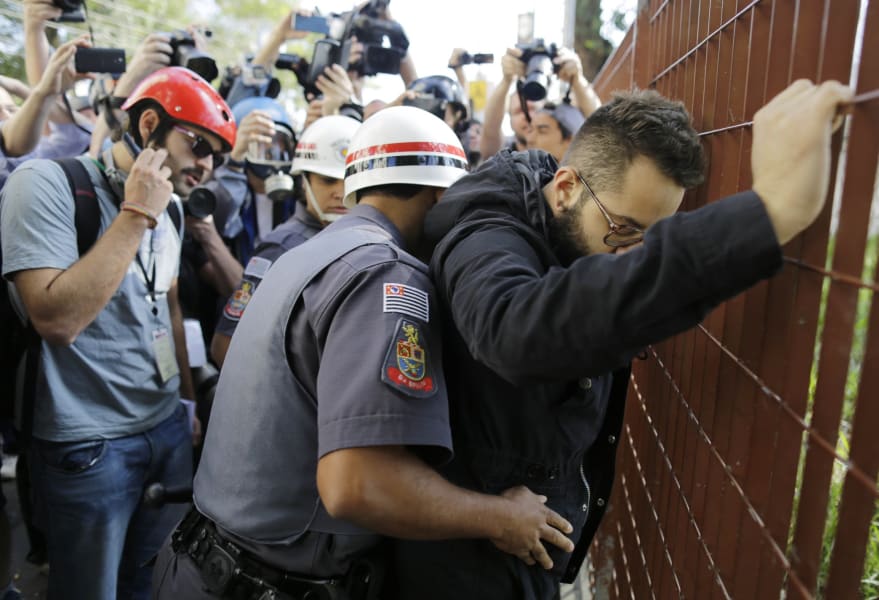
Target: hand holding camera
<point x="461" y="57"/>
<point x="59" y="74"/>
<point x="512" y="66"/>
<point x="38" y="12"/>
<point x="570" y="69"/>
<point x="336" y="88"/>
<point x="188" y="50"/>
<point x="152" y="54"/>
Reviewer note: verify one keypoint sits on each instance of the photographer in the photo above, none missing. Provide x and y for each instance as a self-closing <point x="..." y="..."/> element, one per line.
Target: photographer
<point x="254" y="77"/>
<point x="253" y="191"/>
<point x="440" y="96"/>
<point x="553" y="128"/>
<point x="512" y="69"/>
<point x="568" y="68"/>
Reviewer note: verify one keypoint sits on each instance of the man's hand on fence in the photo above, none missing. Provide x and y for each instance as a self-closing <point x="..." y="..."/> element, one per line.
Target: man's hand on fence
<point x="790" y="156"/>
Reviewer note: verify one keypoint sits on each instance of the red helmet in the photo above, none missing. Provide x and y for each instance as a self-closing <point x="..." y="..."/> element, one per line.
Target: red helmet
<point x="187" y="97"/>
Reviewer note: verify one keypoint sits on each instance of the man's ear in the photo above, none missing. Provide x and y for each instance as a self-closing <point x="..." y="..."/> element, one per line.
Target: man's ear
<point x="148" y="123"/>
<point x="564" y="188"/>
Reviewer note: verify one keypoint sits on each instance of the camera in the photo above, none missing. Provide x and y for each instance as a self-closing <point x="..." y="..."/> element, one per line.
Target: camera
<point x="538" y="58"/>
<point x="201" y="202"/>
<point x="473" y="59"/>
<point x="99" y="60"/>
<point x="72" y="11"/>
<point x="185" y="54"/>
<point x="384" y="44"/>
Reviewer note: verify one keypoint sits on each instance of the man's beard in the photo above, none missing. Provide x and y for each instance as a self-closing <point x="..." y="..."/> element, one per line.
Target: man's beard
<point x="566" y="234"/>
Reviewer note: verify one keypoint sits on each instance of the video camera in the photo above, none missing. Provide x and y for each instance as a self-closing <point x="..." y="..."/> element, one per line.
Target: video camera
<point x="185" y="54"/>
<point x="384" y="44"/>
<point x="473" y="59"/>
<point x="71" y="11"/>
<point x="538" y="58"/>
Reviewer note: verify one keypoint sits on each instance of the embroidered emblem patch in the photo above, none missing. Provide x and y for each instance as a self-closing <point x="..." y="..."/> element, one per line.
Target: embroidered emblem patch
<point x="407" y="300"/>
<point x="407" y="367"/>
<point x="235" y="306"/>
<point x="340" y="149"/>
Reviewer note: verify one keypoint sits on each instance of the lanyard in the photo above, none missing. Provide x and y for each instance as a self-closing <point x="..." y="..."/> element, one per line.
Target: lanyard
<point x="150" y="278"/>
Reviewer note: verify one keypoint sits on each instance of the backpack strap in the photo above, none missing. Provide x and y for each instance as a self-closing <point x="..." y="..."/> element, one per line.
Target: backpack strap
<point x="173" y="211"/>
<point x="87" y="218"/>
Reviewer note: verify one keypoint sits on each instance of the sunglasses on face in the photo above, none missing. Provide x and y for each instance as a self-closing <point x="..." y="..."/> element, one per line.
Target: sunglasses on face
<point x="201" y="147"/>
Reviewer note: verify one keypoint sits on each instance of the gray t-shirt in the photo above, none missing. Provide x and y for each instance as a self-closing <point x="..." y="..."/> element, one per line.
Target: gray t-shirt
<point x="107" y="383"/>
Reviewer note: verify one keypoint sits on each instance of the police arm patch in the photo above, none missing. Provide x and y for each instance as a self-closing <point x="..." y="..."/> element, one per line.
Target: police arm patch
<point x="407" y="366"/>
<point x="238" y="301"/>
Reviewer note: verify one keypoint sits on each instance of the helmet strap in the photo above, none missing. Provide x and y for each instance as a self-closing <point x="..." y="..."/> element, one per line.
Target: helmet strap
<point x="326" y="218"/>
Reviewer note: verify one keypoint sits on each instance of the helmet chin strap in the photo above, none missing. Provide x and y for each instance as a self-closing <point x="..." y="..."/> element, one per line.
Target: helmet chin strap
<point x="326" y="218"/>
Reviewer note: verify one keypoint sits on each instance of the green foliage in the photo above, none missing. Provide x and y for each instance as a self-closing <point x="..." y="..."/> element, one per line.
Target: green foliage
<point x="870" y="580"/>
<point x="588" y="42"/>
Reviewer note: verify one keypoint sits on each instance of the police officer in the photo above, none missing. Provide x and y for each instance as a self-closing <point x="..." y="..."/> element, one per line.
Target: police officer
<point x="332" y="404"/>
<point x="441" y="96"/>
<point x="320" y="160"/>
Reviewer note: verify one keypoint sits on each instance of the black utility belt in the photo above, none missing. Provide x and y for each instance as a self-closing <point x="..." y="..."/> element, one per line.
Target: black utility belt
<point x="231" y="572"/>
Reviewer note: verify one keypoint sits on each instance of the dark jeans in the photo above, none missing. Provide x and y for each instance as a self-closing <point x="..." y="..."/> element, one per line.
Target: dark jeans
<point x="89" y="497"/>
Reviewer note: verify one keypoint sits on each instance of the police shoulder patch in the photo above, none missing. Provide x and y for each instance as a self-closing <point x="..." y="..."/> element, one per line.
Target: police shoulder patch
<point x="407" y="366"/>
<point x="238" y="302"/>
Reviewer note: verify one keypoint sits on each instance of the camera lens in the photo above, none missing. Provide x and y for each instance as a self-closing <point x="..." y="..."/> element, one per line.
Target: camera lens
<point x="201" y="203"/>
<point x="539" y="70"/>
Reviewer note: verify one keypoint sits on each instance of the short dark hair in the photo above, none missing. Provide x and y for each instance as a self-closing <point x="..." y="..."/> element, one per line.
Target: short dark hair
<point x="401" y="191"/>
<point x="638" y="123"/>
<point x="132" y="121"/>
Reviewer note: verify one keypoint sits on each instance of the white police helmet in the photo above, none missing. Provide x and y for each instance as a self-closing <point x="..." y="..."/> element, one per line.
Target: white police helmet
<point x="324" y="145"/>
<point x="403" y="144"/>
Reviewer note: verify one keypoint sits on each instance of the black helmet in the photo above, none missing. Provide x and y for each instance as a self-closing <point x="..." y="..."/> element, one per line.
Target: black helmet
<point x="435" y="92"/>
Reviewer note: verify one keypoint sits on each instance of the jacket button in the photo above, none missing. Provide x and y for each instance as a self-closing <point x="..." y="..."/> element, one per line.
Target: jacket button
<point x="600" y="502"/>
<point x="585" y="383"/>
<point x="585" y="507"/>
<point x="611" y="439"/>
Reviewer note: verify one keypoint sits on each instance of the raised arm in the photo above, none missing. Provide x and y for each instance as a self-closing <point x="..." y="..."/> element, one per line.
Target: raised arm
<point x="496" y="105"/>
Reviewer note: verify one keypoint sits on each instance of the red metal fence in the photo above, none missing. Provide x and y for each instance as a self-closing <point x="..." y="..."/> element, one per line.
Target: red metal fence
<point x="751" y="447"/>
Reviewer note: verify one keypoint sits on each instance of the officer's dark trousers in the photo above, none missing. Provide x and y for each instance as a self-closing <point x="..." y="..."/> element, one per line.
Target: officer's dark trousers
<point x="458" y="569"/>
<point x="176" y="577"/>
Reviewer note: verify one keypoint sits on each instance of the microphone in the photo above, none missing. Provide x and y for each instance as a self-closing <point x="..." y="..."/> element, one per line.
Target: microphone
<point x="157" y="495"/>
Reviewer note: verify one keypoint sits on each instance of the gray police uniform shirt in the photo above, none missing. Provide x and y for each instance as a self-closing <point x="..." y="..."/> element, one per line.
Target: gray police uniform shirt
<point x="107" y="383"/>
<point x="299" y="228"/>
<point x="362" y="368"/>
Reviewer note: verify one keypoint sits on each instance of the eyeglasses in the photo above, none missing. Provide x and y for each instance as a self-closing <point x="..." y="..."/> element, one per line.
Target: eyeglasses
<point x="619" y="236"/>
<point x="201" y="147"/>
